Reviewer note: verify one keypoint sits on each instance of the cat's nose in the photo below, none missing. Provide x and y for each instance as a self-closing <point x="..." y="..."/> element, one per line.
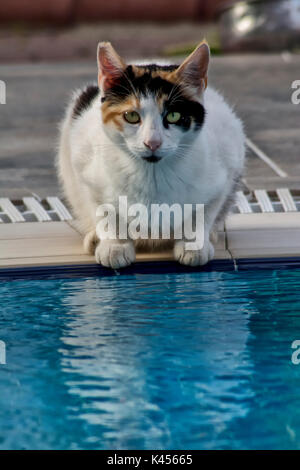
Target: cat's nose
<point x="153" y="144"/>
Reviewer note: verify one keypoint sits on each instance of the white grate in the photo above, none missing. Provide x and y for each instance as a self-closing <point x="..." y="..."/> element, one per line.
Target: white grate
<point x="58" y="207"/>
<point x="37" y="209"/>
<point x="10" y="210"/>
<point x="287" y="200"/>
<point x="31" y="209"/>
<point x="261" y="200"/>
<point x="242" y="203"/>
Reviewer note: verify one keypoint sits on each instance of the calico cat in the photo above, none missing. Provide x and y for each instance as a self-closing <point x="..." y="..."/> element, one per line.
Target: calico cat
<point x="156" y="134"/>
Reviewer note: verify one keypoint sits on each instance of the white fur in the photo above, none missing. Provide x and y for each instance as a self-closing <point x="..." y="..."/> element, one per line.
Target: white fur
<point x="97" y="164"/>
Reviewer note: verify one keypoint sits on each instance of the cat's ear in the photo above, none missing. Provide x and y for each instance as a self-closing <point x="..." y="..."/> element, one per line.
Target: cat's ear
<point x="193" y="71"/>
<point x="110" y="66"/>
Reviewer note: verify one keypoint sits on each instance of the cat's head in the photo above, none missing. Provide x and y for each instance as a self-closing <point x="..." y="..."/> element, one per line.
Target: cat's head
<point x="152" y="111"/>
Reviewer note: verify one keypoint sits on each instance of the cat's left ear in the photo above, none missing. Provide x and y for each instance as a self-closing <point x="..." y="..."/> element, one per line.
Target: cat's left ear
<point x="110" y="66"/>
<point x="193" y="71"/>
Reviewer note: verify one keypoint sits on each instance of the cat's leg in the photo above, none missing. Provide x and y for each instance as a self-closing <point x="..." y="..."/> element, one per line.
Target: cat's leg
<point x="110" y="252"/>
<point x="200" y="256"/>
<point x="90" y="242"/>
<point x="115" y="253"/>
<point x="195" y="257"/>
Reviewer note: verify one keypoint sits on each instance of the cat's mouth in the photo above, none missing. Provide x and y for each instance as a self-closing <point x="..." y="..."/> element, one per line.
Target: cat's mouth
<point x="152" y="159"/>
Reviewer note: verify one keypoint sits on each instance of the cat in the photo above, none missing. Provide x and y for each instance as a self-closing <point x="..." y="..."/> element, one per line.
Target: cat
<point x="156" y="134"/>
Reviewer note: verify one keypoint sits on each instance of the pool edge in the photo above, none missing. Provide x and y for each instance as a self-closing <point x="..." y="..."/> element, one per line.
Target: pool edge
<point x="150" y="267"/>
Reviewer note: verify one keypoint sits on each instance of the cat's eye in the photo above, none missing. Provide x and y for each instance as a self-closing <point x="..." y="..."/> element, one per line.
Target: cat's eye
<point x="132" y="117"/>
<point x="173" y="117"/>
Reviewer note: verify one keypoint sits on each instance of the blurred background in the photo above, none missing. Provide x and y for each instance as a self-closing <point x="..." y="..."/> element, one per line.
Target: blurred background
<point x="43" y="30"/>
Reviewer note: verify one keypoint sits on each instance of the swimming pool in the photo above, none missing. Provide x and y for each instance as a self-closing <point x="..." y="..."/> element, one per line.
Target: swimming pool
<point x="171" y="361"/>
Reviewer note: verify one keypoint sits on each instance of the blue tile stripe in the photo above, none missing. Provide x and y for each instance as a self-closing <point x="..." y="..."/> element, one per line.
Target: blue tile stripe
<point x="153" y="267"/>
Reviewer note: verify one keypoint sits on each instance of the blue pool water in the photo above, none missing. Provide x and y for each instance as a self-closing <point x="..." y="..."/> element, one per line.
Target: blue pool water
<point x="185" y="361"/>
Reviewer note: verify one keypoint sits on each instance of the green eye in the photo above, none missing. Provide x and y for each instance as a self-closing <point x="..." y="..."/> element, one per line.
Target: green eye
<point x="173" y="117"/>
<point x="132" y="117"/>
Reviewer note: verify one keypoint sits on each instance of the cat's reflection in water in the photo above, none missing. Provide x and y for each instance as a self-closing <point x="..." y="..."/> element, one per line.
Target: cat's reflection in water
<point x="157" y="361"/>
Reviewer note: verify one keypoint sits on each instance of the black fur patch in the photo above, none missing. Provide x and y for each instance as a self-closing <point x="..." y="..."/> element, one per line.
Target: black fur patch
<point x="156" y="68"/>
<point x="129" y="83"/>
<point x="84" y="99"/>
<point x="189" y="110"/>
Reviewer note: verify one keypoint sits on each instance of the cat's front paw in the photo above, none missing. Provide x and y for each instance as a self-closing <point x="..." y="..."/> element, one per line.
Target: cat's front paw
<point x="115" y="254"/>
<point x="193" y="257"/>
<point x="90" y="242"/>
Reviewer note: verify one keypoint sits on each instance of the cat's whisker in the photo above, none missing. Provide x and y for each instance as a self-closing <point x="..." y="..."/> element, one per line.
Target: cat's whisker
<point x="132" y="86"/>
<point x="175" y="90"/>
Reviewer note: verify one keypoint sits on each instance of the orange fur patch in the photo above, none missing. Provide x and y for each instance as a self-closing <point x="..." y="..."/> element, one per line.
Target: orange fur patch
<point x="114" y="112"/>
<point x="166" y="75"/>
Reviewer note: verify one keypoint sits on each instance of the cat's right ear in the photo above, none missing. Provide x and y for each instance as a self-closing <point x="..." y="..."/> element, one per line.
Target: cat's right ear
<point x="110" y="66"/>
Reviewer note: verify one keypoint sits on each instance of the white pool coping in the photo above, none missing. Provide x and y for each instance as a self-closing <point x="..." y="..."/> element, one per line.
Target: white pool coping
<point x="255" y="235"/>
